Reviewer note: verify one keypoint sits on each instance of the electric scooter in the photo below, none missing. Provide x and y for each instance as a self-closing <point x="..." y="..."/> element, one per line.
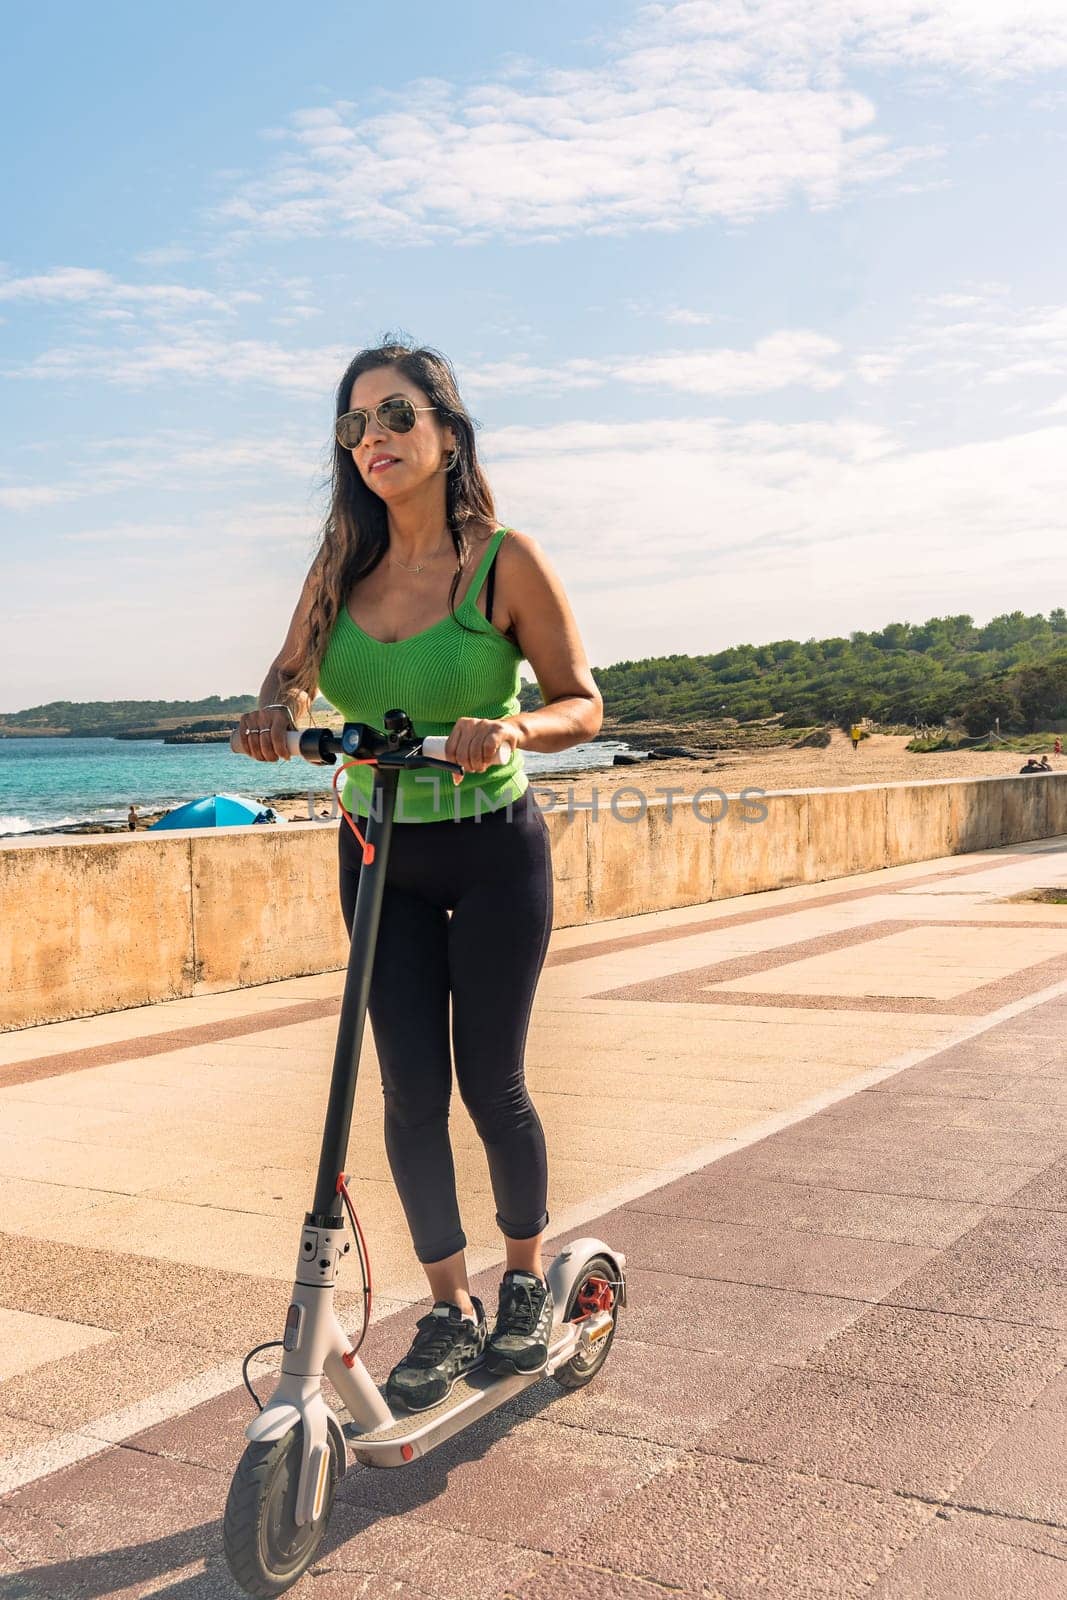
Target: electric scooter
<point x="283" y="1489"/>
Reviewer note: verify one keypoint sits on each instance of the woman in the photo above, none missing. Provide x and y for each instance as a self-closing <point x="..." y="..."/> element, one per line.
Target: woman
<point x="417" y="599"/>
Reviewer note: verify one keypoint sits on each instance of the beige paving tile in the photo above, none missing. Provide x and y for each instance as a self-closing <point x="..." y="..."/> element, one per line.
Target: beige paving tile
<point x="119" y="1169"/>
<point x="613" y="1083"/>
<point x="283" y="1193"/>
<point x="288" y="1147"/>
<point x="915" y="961"/>
<point x="97" y="1089"/>
<point x="20" y="1119"/>
<point x="28" y="1341"/>
<point x="653" y="1116"/>
<point x="26" y="1204"/>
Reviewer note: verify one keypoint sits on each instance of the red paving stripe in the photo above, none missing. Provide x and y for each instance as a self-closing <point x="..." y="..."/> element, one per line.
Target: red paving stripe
<point x="102" y="1055"/>
<point x="57" y="1065"/>
<point x="978" y="1003"/>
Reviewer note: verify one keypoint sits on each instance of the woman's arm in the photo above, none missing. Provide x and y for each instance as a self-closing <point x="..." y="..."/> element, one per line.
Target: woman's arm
<point x="264" y="732"/>
<point x="548" y="637"/>
<point x="543" y="625"/>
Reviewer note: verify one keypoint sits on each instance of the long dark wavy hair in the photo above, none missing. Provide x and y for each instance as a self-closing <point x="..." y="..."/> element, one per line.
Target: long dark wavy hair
<point x="355" y="534"/>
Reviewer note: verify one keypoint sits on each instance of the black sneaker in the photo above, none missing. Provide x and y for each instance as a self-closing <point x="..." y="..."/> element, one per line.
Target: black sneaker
<point x="519" y="1341"/>
<point x="446" y="1346"/>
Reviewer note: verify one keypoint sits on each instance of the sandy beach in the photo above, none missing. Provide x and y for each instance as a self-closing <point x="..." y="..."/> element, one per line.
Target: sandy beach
<point x="880" y="758"/>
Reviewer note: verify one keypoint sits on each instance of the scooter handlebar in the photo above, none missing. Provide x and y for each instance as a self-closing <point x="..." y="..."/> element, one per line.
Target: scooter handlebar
<point x="433" y="746"/>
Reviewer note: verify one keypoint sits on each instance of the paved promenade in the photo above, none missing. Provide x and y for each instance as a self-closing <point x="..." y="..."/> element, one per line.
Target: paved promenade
<point x="826" y="1125"/>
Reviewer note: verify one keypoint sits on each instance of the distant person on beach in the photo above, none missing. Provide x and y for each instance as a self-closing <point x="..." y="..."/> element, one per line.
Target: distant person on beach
<point x="1035" y="766"/>
<point x="399" y="609"/>
<point x="1057" y="748"/>
<point x="131" y="819"/>
<point x="1046" y="764"/>
<point x="855" y="735"/>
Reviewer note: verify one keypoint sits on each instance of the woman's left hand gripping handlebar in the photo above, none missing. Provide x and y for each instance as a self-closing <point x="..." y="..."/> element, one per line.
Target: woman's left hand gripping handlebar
<point x="475" y="742"/>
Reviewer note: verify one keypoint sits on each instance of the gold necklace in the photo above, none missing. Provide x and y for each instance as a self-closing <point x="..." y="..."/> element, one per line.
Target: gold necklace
<point x="417" y="568"/>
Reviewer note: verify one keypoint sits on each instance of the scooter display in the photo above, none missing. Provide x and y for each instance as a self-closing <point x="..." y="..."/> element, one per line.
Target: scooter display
<point x="283" y="1489"/>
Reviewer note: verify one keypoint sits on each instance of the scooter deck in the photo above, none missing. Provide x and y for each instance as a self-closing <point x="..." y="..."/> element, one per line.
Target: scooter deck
<point x="466" y="1389"/>
<point x="473" y="1395"/>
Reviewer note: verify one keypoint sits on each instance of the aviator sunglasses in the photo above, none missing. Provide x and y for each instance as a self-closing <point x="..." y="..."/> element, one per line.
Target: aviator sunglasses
<point x="397" y="415"/>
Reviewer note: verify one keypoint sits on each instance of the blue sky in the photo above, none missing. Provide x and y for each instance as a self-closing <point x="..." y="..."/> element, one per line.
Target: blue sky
<point x="760" y="309"/>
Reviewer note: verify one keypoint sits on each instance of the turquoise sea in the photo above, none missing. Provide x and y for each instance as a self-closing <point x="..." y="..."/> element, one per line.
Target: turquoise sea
<point x="49" y="782"/>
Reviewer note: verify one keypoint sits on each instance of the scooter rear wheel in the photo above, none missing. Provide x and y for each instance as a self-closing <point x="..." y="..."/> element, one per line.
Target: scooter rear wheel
<point x="597" y="1273"/>
<point x="265" y="1549"/>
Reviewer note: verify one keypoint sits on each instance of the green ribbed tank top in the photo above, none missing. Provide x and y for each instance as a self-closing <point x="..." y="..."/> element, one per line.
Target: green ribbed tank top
<point x="436" y="675"/>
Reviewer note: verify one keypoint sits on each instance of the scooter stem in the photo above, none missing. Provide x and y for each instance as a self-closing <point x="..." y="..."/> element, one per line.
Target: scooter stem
<point x="326" y="1210"/>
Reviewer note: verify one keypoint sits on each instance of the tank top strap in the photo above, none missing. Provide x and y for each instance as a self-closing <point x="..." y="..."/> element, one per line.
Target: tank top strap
<point x="486" y="562"/>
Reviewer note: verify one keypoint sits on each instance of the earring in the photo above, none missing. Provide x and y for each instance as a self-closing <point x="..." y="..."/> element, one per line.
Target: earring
<point x="452" y="461"/>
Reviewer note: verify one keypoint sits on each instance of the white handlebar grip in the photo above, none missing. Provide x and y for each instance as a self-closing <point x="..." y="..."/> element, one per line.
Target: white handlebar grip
<point x="434" y="746"/>
<point x="292" y="739"/>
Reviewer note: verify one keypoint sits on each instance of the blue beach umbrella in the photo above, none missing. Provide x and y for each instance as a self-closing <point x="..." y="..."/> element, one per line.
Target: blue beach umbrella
<point x="213" y="811"/>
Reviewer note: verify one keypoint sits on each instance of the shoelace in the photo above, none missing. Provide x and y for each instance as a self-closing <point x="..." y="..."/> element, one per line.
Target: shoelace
<point x="519" y="1310"/>
<point x="434" y="1339"/>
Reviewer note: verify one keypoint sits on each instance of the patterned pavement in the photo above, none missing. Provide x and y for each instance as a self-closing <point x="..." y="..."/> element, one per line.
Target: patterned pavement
<point x="827" y="1127"/>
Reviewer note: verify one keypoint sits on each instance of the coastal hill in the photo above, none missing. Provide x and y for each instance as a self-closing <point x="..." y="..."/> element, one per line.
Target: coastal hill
<point x="94" y="719"/>
<point x="1012" y="668"/>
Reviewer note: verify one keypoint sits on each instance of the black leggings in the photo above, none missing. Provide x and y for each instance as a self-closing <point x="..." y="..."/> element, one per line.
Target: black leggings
<point x="495" y="876"/>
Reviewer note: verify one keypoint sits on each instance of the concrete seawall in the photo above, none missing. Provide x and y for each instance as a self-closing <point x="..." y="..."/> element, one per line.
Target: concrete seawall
<point x="92" y="925"/>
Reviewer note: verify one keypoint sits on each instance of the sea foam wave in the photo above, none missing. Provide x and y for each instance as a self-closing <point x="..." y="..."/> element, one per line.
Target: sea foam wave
<point x="27" y="824"/>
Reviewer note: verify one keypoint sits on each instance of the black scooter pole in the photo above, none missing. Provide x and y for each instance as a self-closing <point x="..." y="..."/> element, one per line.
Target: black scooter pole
<point x="327" y="1210"/>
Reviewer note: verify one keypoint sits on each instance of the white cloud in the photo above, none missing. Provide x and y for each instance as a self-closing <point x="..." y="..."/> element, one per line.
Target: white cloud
<point x="86" y="285"/>
<point x="30" y="496"/>
<point x="195" y="355"/>
<point x="690" y="318"/>
<point x="989" y="342"/>
<point x="173" y="461"/>
<point x="254" y="526"/>
<point x="686" y="536"/>
<point x="988" y="40"/>
<point x="165" y="255"/>
<point x="656" y="138"/>
<point x="778" y="361"/>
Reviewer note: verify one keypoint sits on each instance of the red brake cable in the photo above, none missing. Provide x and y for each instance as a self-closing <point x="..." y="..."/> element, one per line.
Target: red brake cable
<point x="368" y="849"/>
<point x="364" y="1263"/>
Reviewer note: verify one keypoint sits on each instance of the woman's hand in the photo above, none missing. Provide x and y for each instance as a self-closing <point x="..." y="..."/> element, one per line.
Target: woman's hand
<point x="475" y="742"/>
<point x="263" y="734"/>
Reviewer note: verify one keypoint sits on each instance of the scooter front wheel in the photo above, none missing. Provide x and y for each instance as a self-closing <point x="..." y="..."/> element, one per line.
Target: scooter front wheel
<point x="266" y="1550"/>
<point x="593" y="1291"/>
